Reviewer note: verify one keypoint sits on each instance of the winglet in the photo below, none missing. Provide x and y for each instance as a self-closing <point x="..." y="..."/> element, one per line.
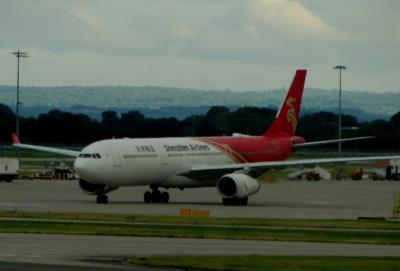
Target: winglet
<point x="15" y="139"/>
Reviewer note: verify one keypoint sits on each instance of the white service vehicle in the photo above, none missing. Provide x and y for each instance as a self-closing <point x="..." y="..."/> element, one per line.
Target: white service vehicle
<point x="9" y="168"/>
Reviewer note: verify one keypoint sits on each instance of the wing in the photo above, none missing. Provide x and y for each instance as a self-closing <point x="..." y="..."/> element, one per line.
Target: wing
<point x="17" y="144"/>
<point x="258" y="168"/>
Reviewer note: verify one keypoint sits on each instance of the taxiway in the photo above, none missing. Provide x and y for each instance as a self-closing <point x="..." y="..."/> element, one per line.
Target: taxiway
<point x="110" y="251"/>
<point x="285" y="199"/>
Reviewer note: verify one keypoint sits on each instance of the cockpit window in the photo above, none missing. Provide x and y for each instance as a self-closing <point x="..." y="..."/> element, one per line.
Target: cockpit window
<point x="90" y="155"/>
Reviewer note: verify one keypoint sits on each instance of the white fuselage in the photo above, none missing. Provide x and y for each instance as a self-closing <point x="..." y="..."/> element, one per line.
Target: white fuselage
<point x="134" y="162"/>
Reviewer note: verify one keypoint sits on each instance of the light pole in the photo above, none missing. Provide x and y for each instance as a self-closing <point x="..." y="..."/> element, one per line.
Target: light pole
<point x="18" y="54"/>
<point x="340" y="68"/>
<point x="193" y="124"/>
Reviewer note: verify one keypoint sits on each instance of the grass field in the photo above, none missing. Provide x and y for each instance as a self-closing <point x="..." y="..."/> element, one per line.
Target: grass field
<point x="363" y="224"/>
<point x="273" y="263"/>
<point x="337" y="231"/>
<point x="184" y="231"/>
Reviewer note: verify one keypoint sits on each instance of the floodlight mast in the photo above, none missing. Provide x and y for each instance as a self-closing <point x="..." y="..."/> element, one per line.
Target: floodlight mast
<point x="340" y="68"/>
<point x="18" y="54"/>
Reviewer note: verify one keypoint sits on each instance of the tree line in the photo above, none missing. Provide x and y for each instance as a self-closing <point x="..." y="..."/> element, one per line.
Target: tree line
<point x="58" y="127"/>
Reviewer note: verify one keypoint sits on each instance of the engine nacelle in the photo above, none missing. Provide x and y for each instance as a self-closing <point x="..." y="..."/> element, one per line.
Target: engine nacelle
<point x="95" y="189"/>
<point x="237" y="185"/>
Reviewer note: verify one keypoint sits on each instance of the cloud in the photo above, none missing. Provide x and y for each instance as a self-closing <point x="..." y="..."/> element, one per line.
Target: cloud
<point x="46" y="25"/>
<point x="88" y="18"/>
<point x="281" y="19"/>
<point x="361" y="34"/>
<point x="183" y="32"/>
<point x="248" y="31"/>
<point x="291" y="19"/>
<point x="274" y="32"/>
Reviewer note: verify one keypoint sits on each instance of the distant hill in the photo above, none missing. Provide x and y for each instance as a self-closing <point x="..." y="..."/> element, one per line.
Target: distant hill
<point x="163" y="101"/>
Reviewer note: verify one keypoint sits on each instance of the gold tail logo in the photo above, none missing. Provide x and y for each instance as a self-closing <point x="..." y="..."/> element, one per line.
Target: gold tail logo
<point x="291" y="114"/>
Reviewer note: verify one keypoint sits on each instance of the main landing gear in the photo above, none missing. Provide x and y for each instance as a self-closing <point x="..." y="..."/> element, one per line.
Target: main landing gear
<point x="235" y="201"/>
<point x="102" y="199"/>
<point x="155" y="196"/>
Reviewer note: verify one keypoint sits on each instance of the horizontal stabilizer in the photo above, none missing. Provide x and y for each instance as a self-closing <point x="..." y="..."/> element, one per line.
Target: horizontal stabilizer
<point x="327" y="142"/>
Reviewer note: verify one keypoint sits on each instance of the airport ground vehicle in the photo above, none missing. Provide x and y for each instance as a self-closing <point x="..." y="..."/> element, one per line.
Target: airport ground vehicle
<point x="9" y="168"/>
<point x="393" y="172"/>
<point x="389" y="171"/>
<point x="357" y="175"/>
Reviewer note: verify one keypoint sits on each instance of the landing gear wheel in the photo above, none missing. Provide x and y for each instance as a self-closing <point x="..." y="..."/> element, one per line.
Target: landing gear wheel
<point x="226" y="201"/>
<point x="156" y="196"/>
<point x="9" y="179"/>
<point x="164" y="197"/>
<point x="235" y="201"/>
<point x="243" y="201"/>
<point x="102" y="199"/>
<point x="147" y="197"/>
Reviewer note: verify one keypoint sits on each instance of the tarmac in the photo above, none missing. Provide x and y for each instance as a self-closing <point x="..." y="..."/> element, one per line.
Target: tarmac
<point x="82" y="252"/>
<point x="285" y="199"/>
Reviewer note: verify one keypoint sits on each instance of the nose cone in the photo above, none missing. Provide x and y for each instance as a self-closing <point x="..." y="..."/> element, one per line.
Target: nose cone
<point x="83" y="168"/>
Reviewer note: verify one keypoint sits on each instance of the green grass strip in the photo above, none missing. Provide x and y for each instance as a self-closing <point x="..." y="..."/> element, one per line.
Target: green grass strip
<point x="200" y="231"/>
<point x="363" y="224"/>
<point x="273" y="263"/>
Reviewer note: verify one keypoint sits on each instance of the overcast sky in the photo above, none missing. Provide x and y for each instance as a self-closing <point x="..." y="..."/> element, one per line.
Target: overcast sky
<point x="204" y="44"/>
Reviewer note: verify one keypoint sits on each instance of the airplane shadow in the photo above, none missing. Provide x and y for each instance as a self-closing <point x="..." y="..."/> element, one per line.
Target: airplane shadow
<point x="181" y="204"/>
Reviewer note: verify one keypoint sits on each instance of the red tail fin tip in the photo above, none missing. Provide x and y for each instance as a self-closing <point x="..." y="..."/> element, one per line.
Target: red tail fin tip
<point x="15" y="139"/>
<point x="286" y="119"/>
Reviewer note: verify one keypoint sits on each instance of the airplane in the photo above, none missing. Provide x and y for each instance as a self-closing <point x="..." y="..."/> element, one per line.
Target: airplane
<point x="229" y="163"/>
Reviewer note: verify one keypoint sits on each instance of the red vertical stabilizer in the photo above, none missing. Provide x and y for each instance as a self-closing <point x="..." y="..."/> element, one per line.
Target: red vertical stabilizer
<point x="15" y="139"/>
<point x="287" y="117"/>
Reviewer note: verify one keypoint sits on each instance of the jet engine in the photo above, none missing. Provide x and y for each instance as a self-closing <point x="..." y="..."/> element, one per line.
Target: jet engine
<point x="237" y="185"/>
<point x="95" y="189"/>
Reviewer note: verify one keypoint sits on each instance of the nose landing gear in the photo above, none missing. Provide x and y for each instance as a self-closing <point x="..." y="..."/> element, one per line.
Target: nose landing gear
<point x="155" y="196"/>
<point x="102" y="199"/>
